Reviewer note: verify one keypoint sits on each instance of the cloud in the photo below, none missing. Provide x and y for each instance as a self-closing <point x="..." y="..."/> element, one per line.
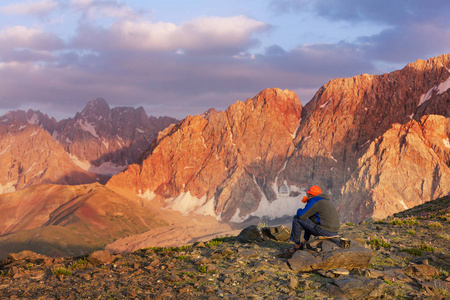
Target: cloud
<point x="406" y="44"/>
<point x="30" y="8"/>
<point x="382" y="11"/>
<point x="95" y="9"/>
<point x="184" y="68"/>
<point x="409" y="30"/>
<point x="20" y="43"/>
<point x="201" y="34"/>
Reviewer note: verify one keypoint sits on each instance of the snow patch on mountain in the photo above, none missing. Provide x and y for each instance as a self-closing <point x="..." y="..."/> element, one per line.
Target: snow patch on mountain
<point x="441" y="88"/>
<point x="8" y="187"/>
<point x="88" y="127"/>
<point x="283" y="205"/>
<point x="280" y="207"/>
<point x="107" y="168"/>
<point x="446" y="142"/>
<point x="186" y="204"/>
<point x="325" y="104"/>
<point x="444" y="86"/>
<point x="34" y="119"/>
<point x="147" y="195"/>
<point x="403" y="204"/>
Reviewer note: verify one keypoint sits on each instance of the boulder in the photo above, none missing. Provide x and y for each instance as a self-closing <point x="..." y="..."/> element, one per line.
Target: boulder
<point x="327" y="255"/>
<point x="279" y="233"/>
<point x="100" y="257"/>
<point x="251" y="234"/>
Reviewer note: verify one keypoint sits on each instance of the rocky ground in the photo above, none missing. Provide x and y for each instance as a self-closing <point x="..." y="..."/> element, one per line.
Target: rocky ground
<point x="410" y="260"/>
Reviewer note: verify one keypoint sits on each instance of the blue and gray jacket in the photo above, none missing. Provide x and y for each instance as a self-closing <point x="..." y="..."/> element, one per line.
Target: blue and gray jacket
<point x="324" y="212"/>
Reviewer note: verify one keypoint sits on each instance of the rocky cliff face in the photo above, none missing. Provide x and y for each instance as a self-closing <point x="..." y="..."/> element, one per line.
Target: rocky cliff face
<point x="256" y="157"/>
<point x="30" y="117"/>
<point x="29" y="155"/>
<point x="223" y="162"/>
<point x="406" y="166"/>
<point x="347" y="115"/>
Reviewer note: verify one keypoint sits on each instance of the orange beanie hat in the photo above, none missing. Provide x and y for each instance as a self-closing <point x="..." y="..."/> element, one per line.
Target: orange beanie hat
<point x="314" y="190"/>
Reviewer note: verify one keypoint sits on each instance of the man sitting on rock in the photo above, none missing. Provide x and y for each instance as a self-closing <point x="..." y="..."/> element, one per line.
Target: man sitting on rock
<point x="318" y="218"/>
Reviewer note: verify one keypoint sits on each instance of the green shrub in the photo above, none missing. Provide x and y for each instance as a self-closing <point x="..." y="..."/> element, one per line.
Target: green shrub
<point x="202" y="269"/>
<point x="443" y="273"/>
<point x="411" y="221"/>
<point x="434" y="224"/>
<point x="182" y="257"/>
<point x="379" y="242"/>
<point x="396" y="222"/>
<point x="445" y="236"/>
<point x="427" y="248"/>
<point x="412" y="251"/>
<point x="80" y="264"/>
<point x="411" y="232"/>
<point x="213" y="243"/>
<point x="62" y="271"/>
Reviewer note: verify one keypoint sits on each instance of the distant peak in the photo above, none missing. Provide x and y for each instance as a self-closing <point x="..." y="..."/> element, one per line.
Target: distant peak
<point x="97" y="106"/>
<point x="97" y="102"/>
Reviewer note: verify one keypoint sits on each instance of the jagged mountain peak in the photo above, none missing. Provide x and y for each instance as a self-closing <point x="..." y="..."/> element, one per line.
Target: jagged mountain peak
<point x="97" y="107"/>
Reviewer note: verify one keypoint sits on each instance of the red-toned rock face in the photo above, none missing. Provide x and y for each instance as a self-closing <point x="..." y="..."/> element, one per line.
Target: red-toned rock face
<point x="29" y="155"/>
<point x="403" y="168"/>
<point x="229" y="157"/>
<point x="347" y="115"/>
<point x="238" y="157"/>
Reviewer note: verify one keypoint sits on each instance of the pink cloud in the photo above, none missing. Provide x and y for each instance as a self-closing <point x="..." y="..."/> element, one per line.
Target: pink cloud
<point x="199" y="34"/>
<point x="30" y="8"/>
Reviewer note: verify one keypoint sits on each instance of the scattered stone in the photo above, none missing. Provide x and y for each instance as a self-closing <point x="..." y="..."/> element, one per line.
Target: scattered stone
<point x="202" y="261"/>
<point x="251" y="234"/>
<point x="100" y="257"/>
<point x="200" y="245"/>
<point x="13" y="272"/>
<point x="25" y="255"/>
<point x="421" y="271"/>
<point x="293" y="283"/>
<point x="235" y="270"/>
<point x="340" y="271"/>
<point x="354" y="287"/>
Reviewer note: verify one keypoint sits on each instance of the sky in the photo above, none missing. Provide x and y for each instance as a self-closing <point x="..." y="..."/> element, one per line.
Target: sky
<point x="177" y="58"/>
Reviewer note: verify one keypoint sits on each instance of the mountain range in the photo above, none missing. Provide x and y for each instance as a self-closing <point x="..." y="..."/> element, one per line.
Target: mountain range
<point x="378" y="144"/>
<point x="93" y="145"/>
